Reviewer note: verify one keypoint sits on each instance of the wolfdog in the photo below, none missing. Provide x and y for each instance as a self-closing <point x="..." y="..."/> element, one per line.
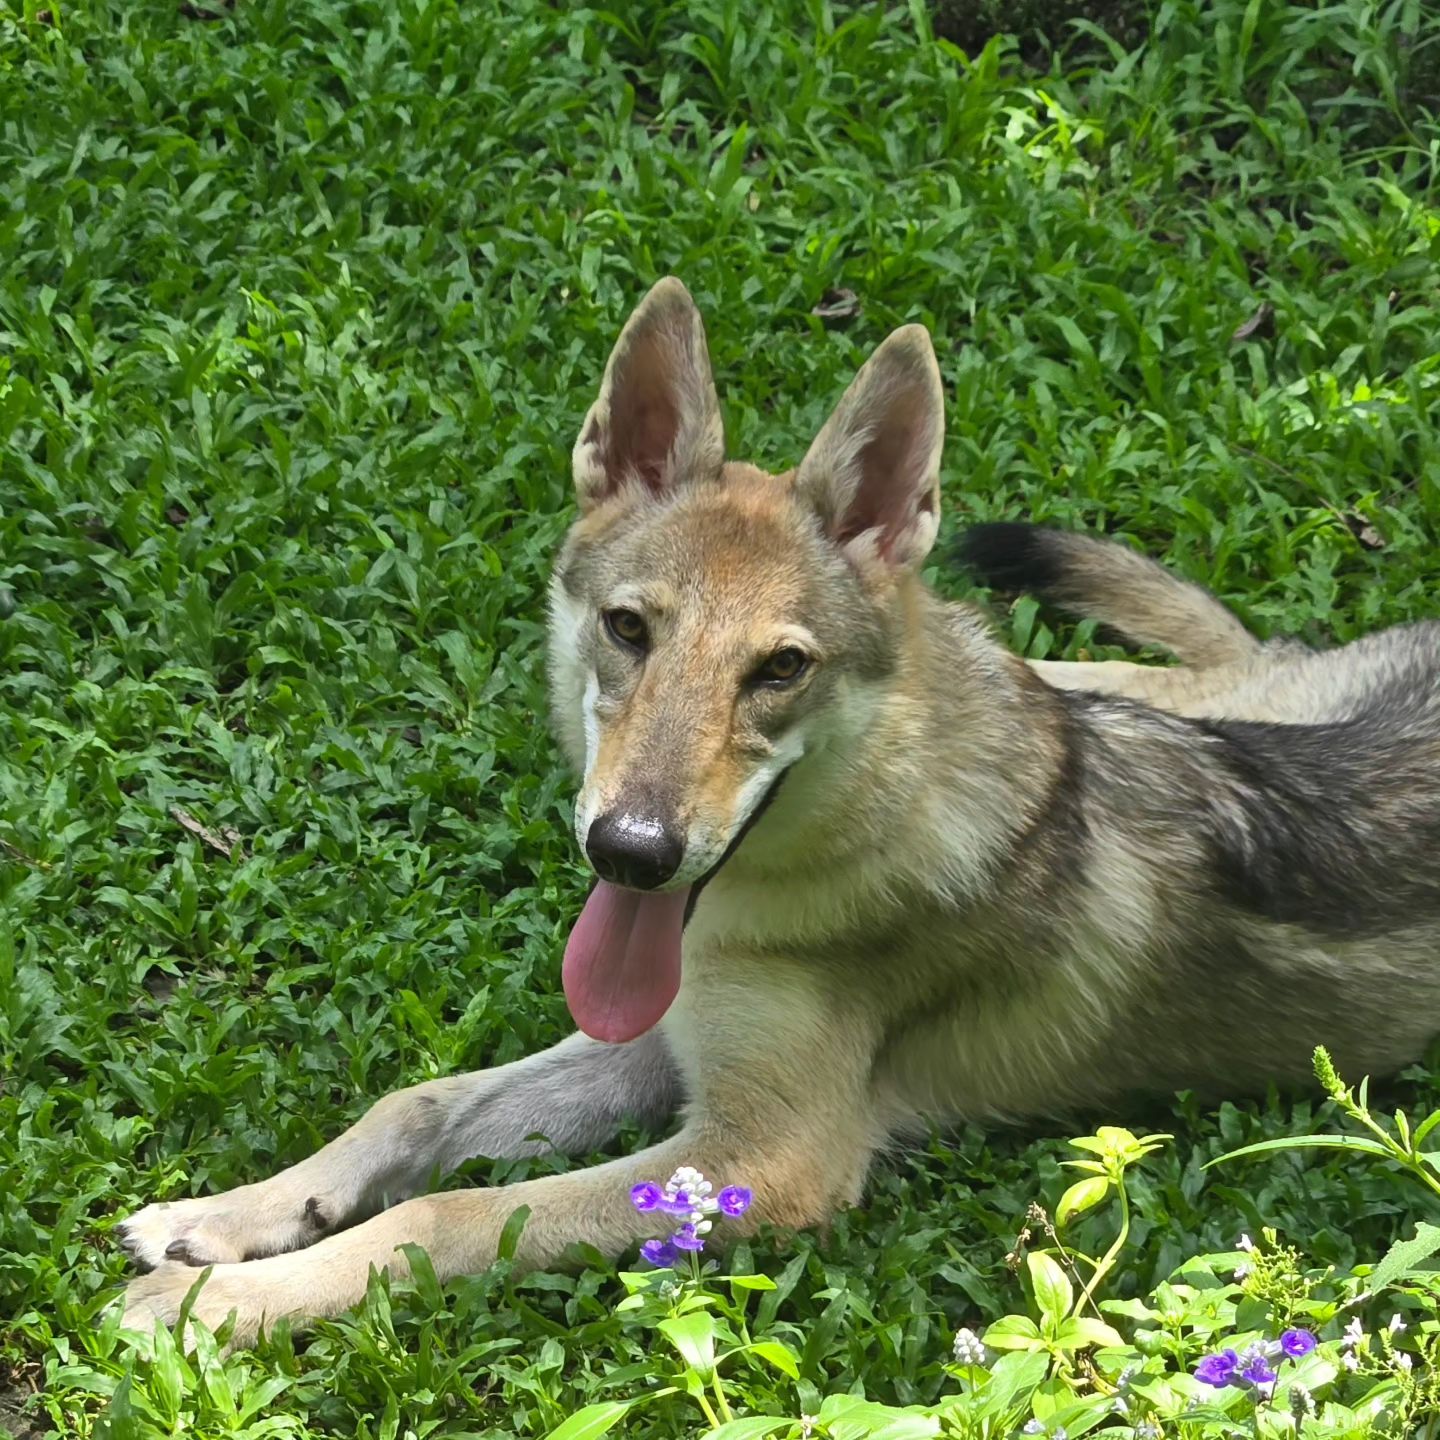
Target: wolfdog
<point x="861" y="868"/>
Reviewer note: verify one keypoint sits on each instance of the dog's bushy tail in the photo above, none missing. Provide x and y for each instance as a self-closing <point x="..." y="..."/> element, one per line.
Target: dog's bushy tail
<point x="1105" y="581"/>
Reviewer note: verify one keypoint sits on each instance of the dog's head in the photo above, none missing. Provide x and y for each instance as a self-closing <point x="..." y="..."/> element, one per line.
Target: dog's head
<point x="711" y="624"/>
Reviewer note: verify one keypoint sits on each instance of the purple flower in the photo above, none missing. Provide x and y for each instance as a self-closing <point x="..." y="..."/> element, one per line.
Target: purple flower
<point x="1297" y="1343"/>
<point x="734" y="1200"/>
<point x="660" y="1253"/>
<point x="687" y="1197"/>
<point x="1218" y="1370"/>
<point x="647" y="1195"/>
<point x="1256" y="1369"/>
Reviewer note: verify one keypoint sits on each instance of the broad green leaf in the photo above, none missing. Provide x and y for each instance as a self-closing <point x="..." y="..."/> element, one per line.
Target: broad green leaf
<point x="1083" y="1195"/>
<point x="751" y="1282"/>
<point x="693" y="1335"/>
<point x="592" y="1421"/>
<point x="774" y="1353"/>
<point x="749" y="1427"/>
<point x="510" y="1234"/>
<point x="1305" y="1142"/>
<point x="1425" y="1127"/>
<point x="1013" y="1332"/>
<point x="1053" y="1292"/>
<point x="852" y="1417"/>
<point x="1080" y="1331"/>
<point x="1405" y="1256"/>
<point x="1013" y="1379"/>
<point x="1131" y="1309"/>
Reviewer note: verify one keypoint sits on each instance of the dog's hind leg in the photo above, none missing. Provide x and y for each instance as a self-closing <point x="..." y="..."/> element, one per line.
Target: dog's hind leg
<point x="575" y="1096"/>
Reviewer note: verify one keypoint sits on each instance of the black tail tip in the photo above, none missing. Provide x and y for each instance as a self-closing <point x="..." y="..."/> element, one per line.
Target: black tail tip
<point x="1009" y="555"/>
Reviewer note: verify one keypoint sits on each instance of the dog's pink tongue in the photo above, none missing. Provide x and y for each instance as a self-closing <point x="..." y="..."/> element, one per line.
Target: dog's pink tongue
<point x="622" y="964"/>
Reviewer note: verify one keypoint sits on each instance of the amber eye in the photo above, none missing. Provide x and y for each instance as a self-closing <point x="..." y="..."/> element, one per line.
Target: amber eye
<point x="628" y="628"/>
<point x="783" y="667"/>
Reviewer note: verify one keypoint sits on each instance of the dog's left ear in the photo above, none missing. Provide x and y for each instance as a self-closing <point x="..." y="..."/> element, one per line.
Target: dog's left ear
<point x="656" y="423"/>
<point x="873" y="473"/>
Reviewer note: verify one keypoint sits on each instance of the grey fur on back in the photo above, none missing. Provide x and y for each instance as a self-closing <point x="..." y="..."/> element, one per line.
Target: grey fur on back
<point x="1282" y="838"/>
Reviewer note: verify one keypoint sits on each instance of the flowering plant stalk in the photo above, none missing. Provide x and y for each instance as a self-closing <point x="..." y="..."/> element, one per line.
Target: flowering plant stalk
<point x="1404" y="1147"/>
<point x="689" y="1206"/>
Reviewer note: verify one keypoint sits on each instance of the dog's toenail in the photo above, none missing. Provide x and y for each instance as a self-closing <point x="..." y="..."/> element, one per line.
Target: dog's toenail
<point x="178" y="1250"/>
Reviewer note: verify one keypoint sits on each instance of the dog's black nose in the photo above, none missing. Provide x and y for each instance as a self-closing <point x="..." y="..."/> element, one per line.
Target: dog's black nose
<point x="634" y="850"/>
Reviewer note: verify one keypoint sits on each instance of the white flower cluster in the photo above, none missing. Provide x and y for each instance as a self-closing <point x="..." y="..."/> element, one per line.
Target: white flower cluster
<point x="688" y="1182"/>
<point x="968" y="1349"/>
<point x="1350" y="1342"/>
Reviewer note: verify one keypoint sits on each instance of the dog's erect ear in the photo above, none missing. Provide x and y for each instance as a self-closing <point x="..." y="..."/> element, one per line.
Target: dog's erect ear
<point x="657" y="421"/>
<point x="873" y="473"/>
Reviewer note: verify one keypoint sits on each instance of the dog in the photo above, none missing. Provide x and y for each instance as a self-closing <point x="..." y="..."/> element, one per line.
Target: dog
<point x="859" y="867"/>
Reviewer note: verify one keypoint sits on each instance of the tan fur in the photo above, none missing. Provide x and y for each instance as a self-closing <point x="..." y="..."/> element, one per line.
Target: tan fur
<point x="940" y="914"/>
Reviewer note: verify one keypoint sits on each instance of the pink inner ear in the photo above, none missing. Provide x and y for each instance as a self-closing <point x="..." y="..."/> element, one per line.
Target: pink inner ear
<point x="644" y="419"/>
<point x="889" y="493"/>
<point x="648" y="437"/>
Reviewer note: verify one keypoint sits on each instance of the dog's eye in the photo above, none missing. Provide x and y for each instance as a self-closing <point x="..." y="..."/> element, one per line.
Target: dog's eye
<point x="783" y="667"/>
<point x="628" y="628"/>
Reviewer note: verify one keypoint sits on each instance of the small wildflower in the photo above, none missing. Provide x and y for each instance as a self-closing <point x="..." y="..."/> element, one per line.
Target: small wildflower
<point x="807" y="1426"/>
<point x="1059" y="1433"/>
<point x="1350" y="1361"/>
<point x="1245" y="1243"/>
<point x="1218" y="1370"/>
<point x="687" y="1196"/>
<point x="1242" y="1274"/>
<point x="1354" y="1334"/>
<point x="1255" y="1368"/>
<point x="1397" y="1323"/>
<point x="1033" y="1427"/>
<point x="734" y="1200"/>
<point x="660" y="1253"/>
<point x="685" y="1238"/>
<point x="1402" y="1360"/>
<point x="968" y="1349"/>
<point x="1297" y="1343"/>
<point x="646" y="1195"/>
<point x="1302" y="1403"/>
<point x="1147" y="1430"/>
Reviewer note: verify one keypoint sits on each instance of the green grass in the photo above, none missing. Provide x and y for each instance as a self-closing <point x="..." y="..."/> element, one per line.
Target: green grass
<point x="300" y="309"/>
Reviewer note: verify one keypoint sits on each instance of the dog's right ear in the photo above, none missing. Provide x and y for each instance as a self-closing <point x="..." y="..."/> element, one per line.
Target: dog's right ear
<point x="873" y="473"/>
<point x="657" y="422"/>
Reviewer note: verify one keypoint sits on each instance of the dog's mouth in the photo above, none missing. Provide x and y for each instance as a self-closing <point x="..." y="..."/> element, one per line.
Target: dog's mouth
<point x="622" y="962"/>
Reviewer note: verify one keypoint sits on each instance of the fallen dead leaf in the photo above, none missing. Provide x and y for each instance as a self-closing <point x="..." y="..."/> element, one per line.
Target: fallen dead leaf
<point x="1262" y="322"/>
<point x="226" y="841"/>
<point x="838" y="305"/>
<point x="1363" y="531"/>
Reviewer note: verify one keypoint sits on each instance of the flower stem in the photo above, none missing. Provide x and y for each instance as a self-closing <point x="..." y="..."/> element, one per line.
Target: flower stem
<point x="710" y="1414"/>
<point x="720" y="1394"/>
<point x="1109" y="1258"/>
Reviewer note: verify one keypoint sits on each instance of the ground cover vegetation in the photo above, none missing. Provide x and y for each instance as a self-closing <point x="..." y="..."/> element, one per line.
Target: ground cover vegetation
<point x="301" y="305"/>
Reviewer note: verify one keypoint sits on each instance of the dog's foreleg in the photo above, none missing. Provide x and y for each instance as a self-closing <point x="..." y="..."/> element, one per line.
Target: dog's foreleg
<point x="803" y="1150"/>
<point x="574" y="1096"/>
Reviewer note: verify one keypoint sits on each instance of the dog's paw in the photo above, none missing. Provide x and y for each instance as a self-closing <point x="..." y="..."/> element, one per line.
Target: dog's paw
<point x="189" y="1232"/>
<point x="242" y="1224"/>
